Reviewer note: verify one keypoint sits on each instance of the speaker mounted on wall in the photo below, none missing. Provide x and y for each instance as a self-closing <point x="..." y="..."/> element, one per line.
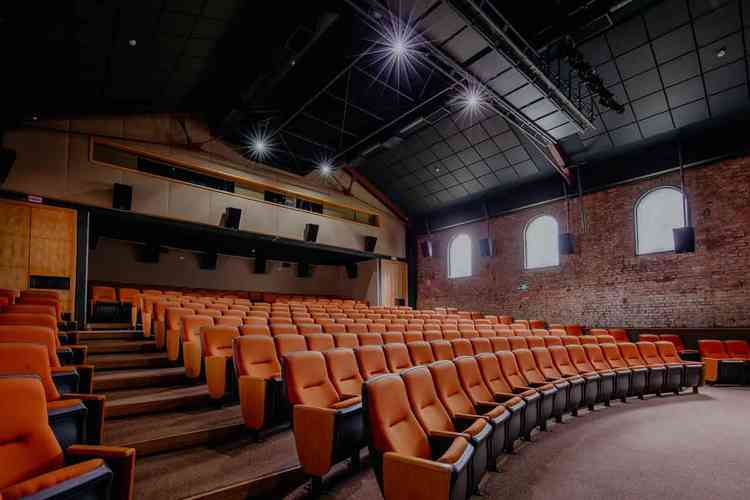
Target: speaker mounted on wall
<point x="150" y="253"/>
<point x="260" y="265"/>
<point x="311" y="232"/>
<point x="352" y="271"/>
<point x="486" y="247"/>
<point x="122" y="197"/>
<point x="684" y="239"/>
<point x="207" y="261"/>
<point x="566" y="244"/>
<point x="231" y="218"/>
<point x="370" y="242"/>
<point x="427" y="250"/>
<point x="7" y="157"/>
<point x="304" y="270"/>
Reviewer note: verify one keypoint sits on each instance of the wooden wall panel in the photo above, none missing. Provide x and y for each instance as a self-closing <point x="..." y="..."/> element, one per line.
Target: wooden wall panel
<point x="14" y="245"/>
<point x="394" y="281"/>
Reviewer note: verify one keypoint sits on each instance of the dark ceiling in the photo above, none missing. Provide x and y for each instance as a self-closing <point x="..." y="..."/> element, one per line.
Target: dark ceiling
<point x="310" y="75"/>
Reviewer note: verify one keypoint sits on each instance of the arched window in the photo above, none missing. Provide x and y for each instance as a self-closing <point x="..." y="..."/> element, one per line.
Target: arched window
<point x="459" y="257"/>
<point x="541" y="242"/>
<point x="656" y="214"/>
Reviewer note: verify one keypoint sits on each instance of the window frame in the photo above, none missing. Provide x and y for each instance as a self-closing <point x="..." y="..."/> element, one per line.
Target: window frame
<point x="526" y="246"/>
<point x="470" y="257"/>
<point x="643" y="196"/>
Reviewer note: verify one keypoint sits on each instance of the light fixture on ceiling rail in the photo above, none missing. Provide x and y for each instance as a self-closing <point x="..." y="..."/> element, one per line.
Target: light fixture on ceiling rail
<point x="588" y="76"/>
<point x="258" y="143"/>
<point x="487" y="245"/>
<point x="396" y="48"/>
<point x="566" y="240"/>
<point x="472" y="100"/>
<point x="684" y="237"/>
<point x="411" y="126"/>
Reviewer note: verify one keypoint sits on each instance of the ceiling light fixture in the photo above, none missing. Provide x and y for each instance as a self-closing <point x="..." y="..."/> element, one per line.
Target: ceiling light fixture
<point x="396" y="49"/>
<point x="472" y="101"/>
<point x="721" y="52"/>
<point x="325" y="168"/>
<point x="132" y="42"/>
<point x="258" y="144"/>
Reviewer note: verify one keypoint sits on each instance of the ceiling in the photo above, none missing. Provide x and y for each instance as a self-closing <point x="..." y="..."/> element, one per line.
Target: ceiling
<point x="310" y="78"/>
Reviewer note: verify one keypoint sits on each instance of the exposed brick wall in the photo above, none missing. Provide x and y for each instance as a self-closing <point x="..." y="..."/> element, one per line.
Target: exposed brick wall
<point x="605" y="283"/>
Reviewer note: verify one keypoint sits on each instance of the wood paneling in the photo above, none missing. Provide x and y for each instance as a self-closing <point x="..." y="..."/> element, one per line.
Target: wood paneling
<point x="394" y="281"/>
<point x="37" y="240"/>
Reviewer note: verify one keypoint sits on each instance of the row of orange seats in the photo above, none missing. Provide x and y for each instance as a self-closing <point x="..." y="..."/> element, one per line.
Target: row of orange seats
<point x="490" y="399"/>
<point x="727" y="362"/>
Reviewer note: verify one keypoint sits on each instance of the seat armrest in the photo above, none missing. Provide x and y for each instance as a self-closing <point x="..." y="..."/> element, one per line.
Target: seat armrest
<point x="346" y="396"/>
<point x="468" y="416"/>
<point x="501" y="397"/>
<point x="65" y="356"/>
<point x="120" y="460"/>
<point x="447" y="435"/>
<point x="66" y="379"/>
<point x="484" y="406"/>
<point x="80" y="353"/>
<point x="313" y="428"/>
<point x="95" y="404"/>
<point x="521" y="389"/>
<point x="412" y="478"/>
<point x="252" y="392"/>
<point x="86" y="378"/>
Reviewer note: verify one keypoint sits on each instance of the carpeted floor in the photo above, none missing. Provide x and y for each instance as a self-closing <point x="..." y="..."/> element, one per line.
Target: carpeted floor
<point x="675" y="447"/>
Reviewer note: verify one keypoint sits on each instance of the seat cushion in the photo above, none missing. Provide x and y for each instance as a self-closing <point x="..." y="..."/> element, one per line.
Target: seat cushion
<point x="39" y="483"/>
<point x="454" y="452"/>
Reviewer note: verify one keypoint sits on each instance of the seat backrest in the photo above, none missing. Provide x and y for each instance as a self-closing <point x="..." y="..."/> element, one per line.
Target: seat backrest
<point x="441" y="350"/>
<point x="570" y="340"/>
<point x="598" y="331"/>
<point x="29" y="319"/>
<point x="234" y="312"/>
<point x="612" y="355"/>
<point x="462" y="347"/>
<point x="649" y="353"/>
<point x="255" y="329"/>
<point x="103" y="293"/>
<point x="309" y="328"/>
<point x="319" y="342"/>
<point x="413" y="337"/>
<point x="34" y="335"/>
<point x="527" y="365"/>
<point x="472" y="380"/>
<point x="343" y="371"/>
<point x="397" y="357"/>
<point x="510" y="369"/>
<point x="500" y="344"/>
<point x="392" y="424"/>
<point x="550" y="341"/>
<point x="27" y="445"/>
<point x="588" y="339"/>
<point x="348" y="340"/>
<point x="255" y="355"/>
<point x="575" y="330"/>
<point x="287" y="343"/>
<point x="533" y="342"/>
<point x="629" y="352"/>
<point x="480" y="345"/>
<point x="356" y="328"/>
<point x="605" y="339"/>
<point x="334" y="328"/>
<point x="306" y="379"/>
<point x="30" y="309"/>
<point x="737" y="348"/>
<point x="518" y="343"/>
<point x="648" y="337"/>
<point x="492" y="374"/>
<point x="371" y="361"/>
<point x="596" y="357"/>
<point x="420" y="352"/>
<point x="430" y="335"/>
<point x="619" y="334"/>
<point x="562" y="360"/>
<point x="393" y="338"/>
<point x="537" y="324"/>
<point x="174" y="317"/>
<point x="579" y="359"/>
<point x="667" y="352"/>
<point x="708" y="348"/>
<point x="448" y="388"/>
<point x="191" y="326"/>
<point x="217" y="340"/>
<point x="370" y="339"/>
<point x="675" y="339"/>
<point x="283" y="329"/>
<point x="28" y="359"/>
<point x="544" y="362"/>
<point x="234" y="321"/>
<point x="424" y="400"/>
<point x="540" y="332"/>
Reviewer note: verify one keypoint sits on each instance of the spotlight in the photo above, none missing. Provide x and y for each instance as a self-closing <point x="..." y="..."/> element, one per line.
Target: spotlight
<point x="721" y="52"/>
<point x="396" y="49"/>
<point x="472" y="101"/>
<point x="325" y="168"/>
<point x="258" y="144"/>
<point x="133" y="42"/>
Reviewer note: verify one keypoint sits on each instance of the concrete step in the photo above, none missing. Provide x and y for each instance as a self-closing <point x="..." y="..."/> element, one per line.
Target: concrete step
<point x="119" y="346"/>
<point x="157" y="400"/>
<point x="85" y="335"/>
<point x="106" y="380"/>
<point x="129" y="360"/>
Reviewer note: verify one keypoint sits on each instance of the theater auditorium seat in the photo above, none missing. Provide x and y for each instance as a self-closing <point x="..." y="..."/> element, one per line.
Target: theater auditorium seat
<point x="638" y="374"/>
<point x="456" y="402"/>
<point x="328" y="426"/>
<point x="34" y="465"/>
<point x="583" y="365"/>
<point x="575" y="384"/>
<point x="436" y="421"/>
<point x="719" y="367"/>
<point x="567" y="369"/>
<point x="348" y="340"/>
<point x="442" y="350"/>
<point x="479" y="393"/>
<point x="596" y="357"/>
<point x="343" y="371"/>
<point x="407" y="464"/>
<point x="686" y="354"/>
<point x="397" y="357"/>
<point x="673" y="373"/>
<point x="536" y="380"/>
<point x="420" y="353"/>
<point x="692" y="371"/>
<point x="371" y="361"/>
<point x="319" y="342"/>
<point x="512" y="373"/>
<point x="216" y="342"/>
<point x="656" y="374"/>
<point x="289" y="343"/>
<point x="259" y="384"/>
<point x="74" y="418"/>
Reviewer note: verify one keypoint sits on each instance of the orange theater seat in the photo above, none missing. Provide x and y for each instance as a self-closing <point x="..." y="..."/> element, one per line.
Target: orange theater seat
<point x="462" y="347"/>
<point x="435" y="420"/>
<point x="420" y="352"/>
<point x="319" y="342"/>
<point x="596" y="357"/>
<point x="673" y="371"/>
<point x="619" y="334"/>
<point x="393" y="338"/>
<point x="557" y="389"/>
<point x="216" y="342"/>
<point x="371" y="361"/>
<point x="581" y="362"/>
<point x="574" y="389"/>
<point x="348" y="340"/>
<point x="648" y="337"/>
<point x="174" y="317"/>
<point x="575" y="330"/>
<point x="442" y="350"/>
<point x="567" y="369"/>
<point x="692" y="372"/>
<point x="656" y="374"/>
<point x="328" y="426"/>
<point x="407" y="464"/>
<point x="638" y="374"/>
<point x="397" y="357"/>
<point x="343" y="371"/>
<point x="36" y="466"/>
<point x="259" y="382"/>
<point x="191" y="343"/>
<point x="737" y="349"/>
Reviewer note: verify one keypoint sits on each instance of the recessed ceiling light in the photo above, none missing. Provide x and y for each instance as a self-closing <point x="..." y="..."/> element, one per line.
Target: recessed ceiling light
<point x="437" y="170"/>
<point x="325" y="168"/>
<point x="294" y="62"/>
<point x="132" y="42"/>
<point x="721" y="52"/>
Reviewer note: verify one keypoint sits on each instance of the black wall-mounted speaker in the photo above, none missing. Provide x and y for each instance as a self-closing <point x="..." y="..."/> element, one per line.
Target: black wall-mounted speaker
<point x="7" y="157"/>
<point x="684" y="239"/>
<point x="150" y="253"/>
<point x="311" y="232"/>
<point x="260" y="265"/>
<point x="370" y="242"/>
<point x="566" y="244"/>
<point x="303" y="270"/>
<point x="122" y="197"/>
<point x="208" y="261"/>
<point x="352" y="271"/>
<point x="426" y="248"/>
<point x="486" y="247"/>
<point x="232" y="218"/>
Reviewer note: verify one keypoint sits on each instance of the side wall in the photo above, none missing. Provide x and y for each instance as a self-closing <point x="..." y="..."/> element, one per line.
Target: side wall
<point x="605" y="282"/>
<point x="116" y="261"/>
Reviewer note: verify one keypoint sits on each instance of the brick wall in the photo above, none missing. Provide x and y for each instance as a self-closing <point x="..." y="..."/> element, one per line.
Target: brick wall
<point x="605" y="283"/>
